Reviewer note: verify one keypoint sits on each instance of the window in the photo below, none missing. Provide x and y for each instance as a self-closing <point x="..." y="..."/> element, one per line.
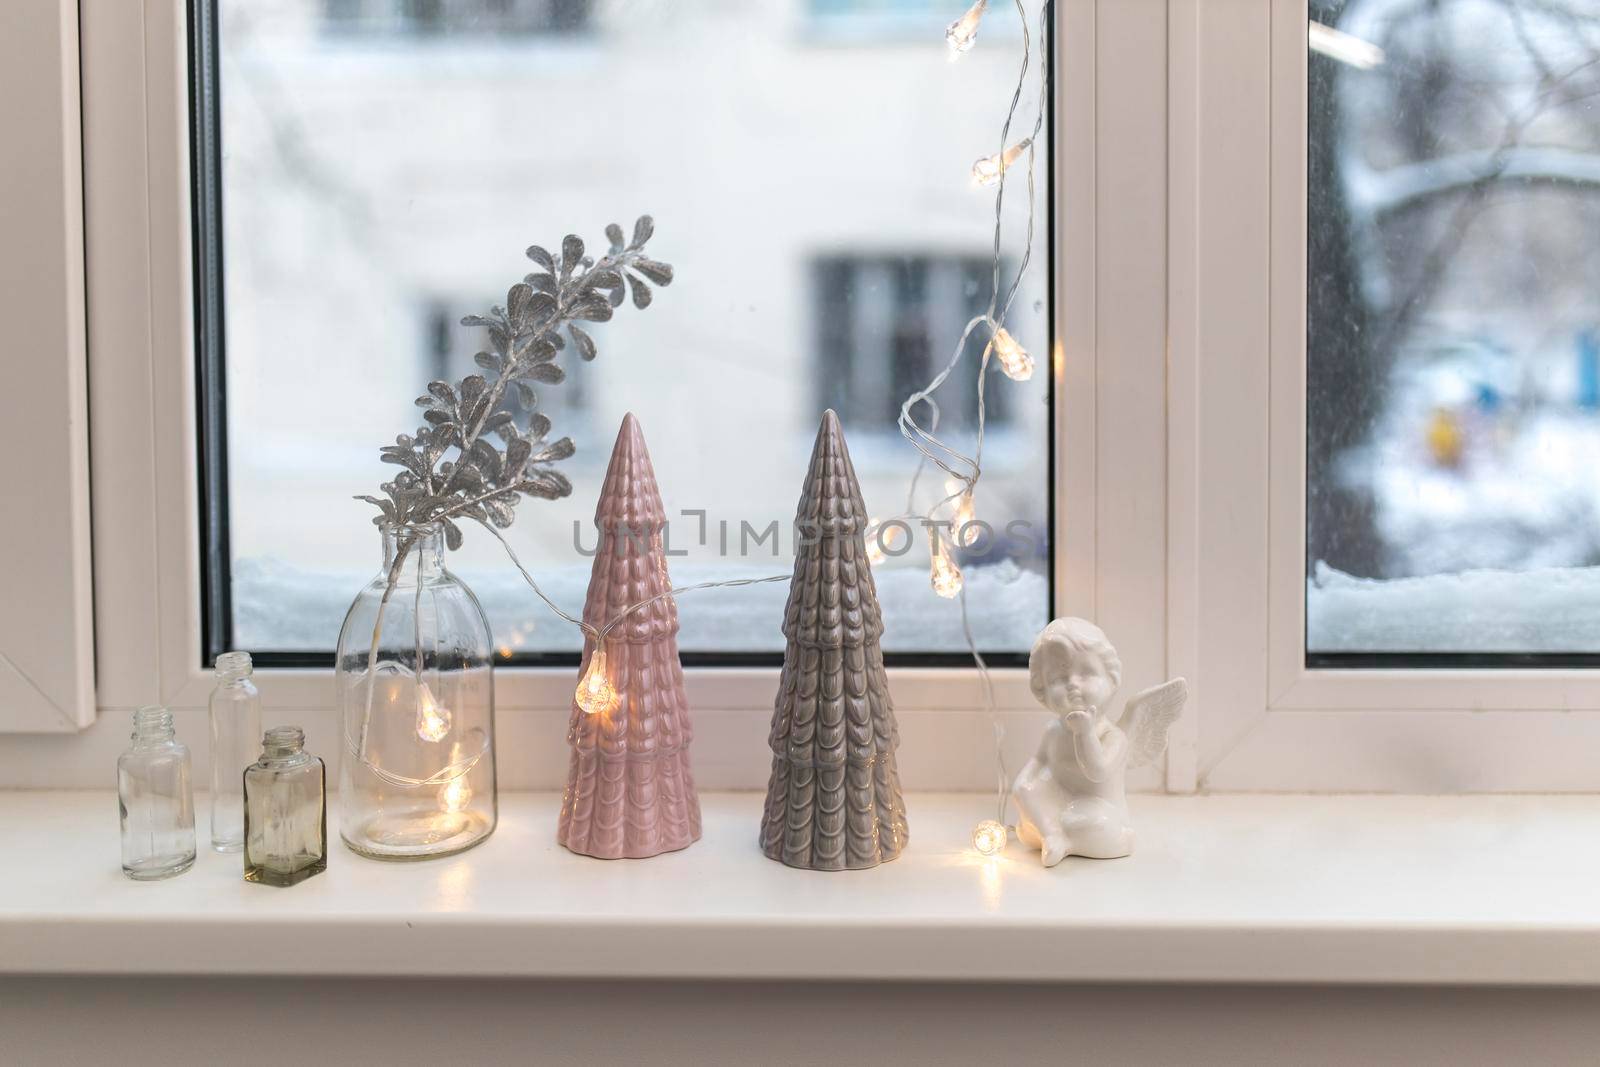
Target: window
<point x="1453" y="332"/>
<point x="1179" y="486"/>
<point x="892" y="312"/>
<point x="381" y="164"/>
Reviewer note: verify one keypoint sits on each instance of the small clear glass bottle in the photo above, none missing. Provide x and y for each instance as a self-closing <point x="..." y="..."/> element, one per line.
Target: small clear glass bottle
<point x="155" y="796"/>
<point x="235" y="727"/>
<point x="285" y="811"/>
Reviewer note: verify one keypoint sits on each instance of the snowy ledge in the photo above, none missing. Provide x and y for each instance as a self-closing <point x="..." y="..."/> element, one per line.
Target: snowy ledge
<point x="1224" y="888"/>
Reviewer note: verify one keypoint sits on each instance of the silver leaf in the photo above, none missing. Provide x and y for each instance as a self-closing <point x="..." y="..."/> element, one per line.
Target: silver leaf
<point x="556" y="450"/>
<point x="517" y="453"/>
<point x="660" y="273"/>
<point x="582" y="342"/>
<point x="517" y="298"/>
<point x="571" y="252"/>
<point x="542" y="257"/>
<point x="641" y="293"/>
<point x="643" y="230"/>
<point x="500" y="512"/>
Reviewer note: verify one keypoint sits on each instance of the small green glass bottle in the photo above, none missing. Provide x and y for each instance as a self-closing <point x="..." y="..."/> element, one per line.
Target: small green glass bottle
<point x="285" y="811"/>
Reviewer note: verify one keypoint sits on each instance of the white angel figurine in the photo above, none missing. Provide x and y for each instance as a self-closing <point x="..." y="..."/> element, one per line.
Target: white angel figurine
<point x="1071" y="797"/>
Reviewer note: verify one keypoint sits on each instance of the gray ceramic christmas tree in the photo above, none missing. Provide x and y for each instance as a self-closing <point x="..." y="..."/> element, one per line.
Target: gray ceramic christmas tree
<point x="833" y="802"/>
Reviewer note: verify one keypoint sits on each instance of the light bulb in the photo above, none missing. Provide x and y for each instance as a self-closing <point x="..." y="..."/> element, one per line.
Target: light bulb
<point x="966" y="510"/>
<point x="596" y="694"/>
<point x="964" y="31"/>
<point x="945" y="575"/>
<point x="875" y="553"/>
<point x="878" y="539"/>
<point x="987" y="170"/>
<point x="989" y="837"/>
<point x="1014" y="359"/>
<point x="433" y="719"/>
<point x="456" y="795"/>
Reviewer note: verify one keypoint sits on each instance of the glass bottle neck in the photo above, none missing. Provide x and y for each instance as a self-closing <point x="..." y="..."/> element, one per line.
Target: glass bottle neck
<point x="422" y="547"/>
<point x="233" y="667"/>
<point x="283" y="744"/>
<point x="152" y="726"/>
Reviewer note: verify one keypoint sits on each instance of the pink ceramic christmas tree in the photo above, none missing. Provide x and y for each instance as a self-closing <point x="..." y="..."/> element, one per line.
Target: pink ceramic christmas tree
<point x="833" y="801"/>
<point x="629" y="791"/>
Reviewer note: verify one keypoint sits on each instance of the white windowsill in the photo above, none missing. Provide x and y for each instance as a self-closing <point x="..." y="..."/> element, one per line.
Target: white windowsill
<point x="1223" y="888"/>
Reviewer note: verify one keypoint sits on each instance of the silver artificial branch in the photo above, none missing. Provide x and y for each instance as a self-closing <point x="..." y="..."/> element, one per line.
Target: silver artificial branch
<point x="482" y="480"/>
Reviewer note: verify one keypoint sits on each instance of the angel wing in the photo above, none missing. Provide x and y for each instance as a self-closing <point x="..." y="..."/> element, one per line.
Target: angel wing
<point x="1149" y="716"/>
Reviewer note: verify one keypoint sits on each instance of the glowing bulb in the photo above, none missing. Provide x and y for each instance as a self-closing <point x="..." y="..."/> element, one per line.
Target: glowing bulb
<point x="875" y="553"/>
<point x="1014" y="359"/>
<point x="989" y="837"/>
<point x="433" y="719"/>
<point x="596" y="695"/>
<point x="964" y="31"/>
<point x="456" y="795"/>
<point x="946" y="576"/>
<point x="987" y="170"/>
<point x="879" y="538"/>
<point x="966" y="510"/>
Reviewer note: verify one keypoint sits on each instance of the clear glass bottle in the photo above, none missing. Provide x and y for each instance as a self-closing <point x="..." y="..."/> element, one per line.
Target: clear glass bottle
<point x="285" y="811"/>
<point x="155" y="797"/>
<point x="415" y="680"/>
<point x="235" y="728"/>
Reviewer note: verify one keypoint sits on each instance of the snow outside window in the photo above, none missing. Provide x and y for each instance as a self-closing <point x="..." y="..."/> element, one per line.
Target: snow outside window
<point x="1453" y="331"/>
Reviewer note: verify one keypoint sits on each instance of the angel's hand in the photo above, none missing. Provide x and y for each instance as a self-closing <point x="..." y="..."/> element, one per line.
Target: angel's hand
<point x="1079" y="721"/>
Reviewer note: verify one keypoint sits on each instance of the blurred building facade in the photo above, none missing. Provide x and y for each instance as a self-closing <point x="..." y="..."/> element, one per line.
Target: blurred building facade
<point x="387" y="161"/>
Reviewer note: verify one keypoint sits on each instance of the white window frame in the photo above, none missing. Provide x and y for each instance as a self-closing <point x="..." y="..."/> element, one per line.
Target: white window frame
<point x="46" y="637"/>
<point x="1107" y="358"/>
<point x="1238" y="288"/>
<point x="1179" y="369"/>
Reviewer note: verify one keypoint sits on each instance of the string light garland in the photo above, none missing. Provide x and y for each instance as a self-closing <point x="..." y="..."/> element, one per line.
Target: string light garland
<point x="433" y="719"/>
<point x="597" y="694"/>
<point x="456" y="794"/>
<point x="1014" y="359"/>
<point x="962" y="34"/>
<point x="879" y="540"/>
<point x="989" y="169"/>
<point x="989" y="836"/>
<point x="945" y="575"/>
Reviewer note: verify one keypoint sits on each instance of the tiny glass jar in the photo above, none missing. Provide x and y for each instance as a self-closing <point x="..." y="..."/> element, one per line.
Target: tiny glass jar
<point x="155" y="799"/>
<point x="285" y="811"/>
<point x="235" y="708"/>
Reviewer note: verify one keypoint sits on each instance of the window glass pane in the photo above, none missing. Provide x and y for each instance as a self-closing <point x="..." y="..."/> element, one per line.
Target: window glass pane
<point x="385" y="163"/>
<point x="1453" y="327"/>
